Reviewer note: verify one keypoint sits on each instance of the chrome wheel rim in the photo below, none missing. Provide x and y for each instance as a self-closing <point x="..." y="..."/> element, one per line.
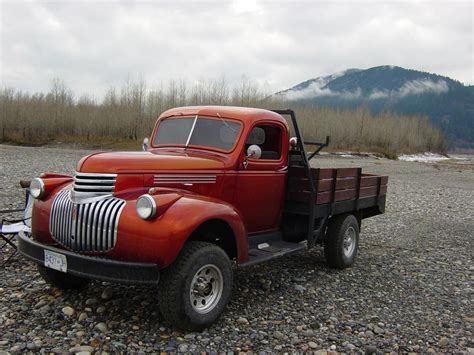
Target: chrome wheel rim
<point x="349" y="243"/>
<point x="206" y="288"/>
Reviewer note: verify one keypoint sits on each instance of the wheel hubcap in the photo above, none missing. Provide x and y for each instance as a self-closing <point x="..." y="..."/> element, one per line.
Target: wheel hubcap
<point x="206" y="288"/>
<point x="349" y="242"/>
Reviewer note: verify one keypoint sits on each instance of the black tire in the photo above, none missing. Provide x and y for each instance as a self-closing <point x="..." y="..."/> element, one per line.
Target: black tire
<point x="62" y="280"/>
<point x="338" y="254"/>
<point x="174" y="289"/>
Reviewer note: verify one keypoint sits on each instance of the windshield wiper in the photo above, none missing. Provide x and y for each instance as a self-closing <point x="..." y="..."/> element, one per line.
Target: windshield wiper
<point x="191" y="132"/>
<point x="225" y="123"/>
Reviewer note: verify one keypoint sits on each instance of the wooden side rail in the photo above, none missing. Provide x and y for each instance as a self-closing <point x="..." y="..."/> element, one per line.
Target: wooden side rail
<point x="333" y="185"/>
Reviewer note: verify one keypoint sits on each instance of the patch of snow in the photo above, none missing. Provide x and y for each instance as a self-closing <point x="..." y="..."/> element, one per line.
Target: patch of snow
<point x="426" y="157"/>
<point x="460" y="158"/>
<point x="356" y="155"/>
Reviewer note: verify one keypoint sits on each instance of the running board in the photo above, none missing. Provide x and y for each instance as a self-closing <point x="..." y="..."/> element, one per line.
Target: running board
<point x="267" y="251"/>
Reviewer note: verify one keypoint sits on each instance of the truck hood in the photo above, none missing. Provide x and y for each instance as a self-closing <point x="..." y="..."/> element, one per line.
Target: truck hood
<point x="139" y="162"/>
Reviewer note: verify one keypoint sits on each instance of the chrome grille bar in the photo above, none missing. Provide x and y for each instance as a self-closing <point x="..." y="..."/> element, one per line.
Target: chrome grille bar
<point x="88" y="187"/>
<point x="86" y="226"/>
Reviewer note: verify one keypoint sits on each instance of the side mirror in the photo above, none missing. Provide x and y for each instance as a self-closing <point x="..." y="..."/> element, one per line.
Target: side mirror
<point x="254" y="152"/>
<point x="293" y="142"/>
<point x="146" y="141"/>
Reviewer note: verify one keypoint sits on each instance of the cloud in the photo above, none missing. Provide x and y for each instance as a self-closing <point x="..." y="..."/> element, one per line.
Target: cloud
<point x="413" y="87"/>
<point x="93" y="45"/>
<point x="418" y="87"/>
<point x="317" y="89"/>
<point x="313" y="90"/>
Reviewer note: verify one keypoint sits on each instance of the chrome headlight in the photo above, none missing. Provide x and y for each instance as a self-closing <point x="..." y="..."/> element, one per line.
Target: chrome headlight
<point x="146" y="207"/>
<point x="37" y="188"/>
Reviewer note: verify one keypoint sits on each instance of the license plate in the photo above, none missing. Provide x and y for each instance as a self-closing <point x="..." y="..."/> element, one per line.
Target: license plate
<point x="55" y="261"/>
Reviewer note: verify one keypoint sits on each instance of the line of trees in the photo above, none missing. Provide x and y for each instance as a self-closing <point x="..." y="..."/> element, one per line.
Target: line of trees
<point x="129" y="113"/>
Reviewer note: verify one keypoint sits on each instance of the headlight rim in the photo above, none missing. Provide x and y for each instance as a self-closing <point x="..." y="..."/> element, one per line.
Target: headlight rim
<point x="41" y="188"/>
<point x="152" y="202"/>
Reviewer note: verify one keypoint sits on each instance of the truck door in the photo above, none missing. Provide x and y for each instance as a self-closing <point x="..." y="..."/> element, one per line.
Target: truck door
<point x="262" y="180"/>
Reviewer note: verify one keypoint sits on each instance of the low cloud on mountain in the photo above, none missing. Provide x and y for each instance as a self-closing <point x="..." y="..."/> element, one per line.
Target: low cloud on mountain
<point x="413" y="87"/>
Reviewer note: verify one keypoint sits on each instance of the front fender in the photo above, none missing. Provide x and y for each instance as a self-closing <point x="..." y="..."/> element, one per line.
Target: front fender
<point x="42" y="208"/>
<point x="161" y="239"/>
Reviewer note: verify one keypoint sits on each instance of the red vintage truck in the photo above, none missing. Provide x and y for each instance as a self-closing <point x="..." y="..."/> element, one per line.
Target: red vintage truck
<point x="214" y="186"/>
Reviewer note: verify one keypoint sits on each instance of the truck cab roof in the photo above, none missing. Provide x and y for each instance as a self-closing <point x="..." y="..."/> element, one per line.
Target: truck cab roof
<point x="246" y="114"/>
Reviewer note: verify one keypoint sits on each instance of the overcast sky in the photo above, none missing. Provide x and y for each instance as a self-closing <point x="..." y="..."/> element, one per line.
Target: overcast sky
<point x="93" y="45"/>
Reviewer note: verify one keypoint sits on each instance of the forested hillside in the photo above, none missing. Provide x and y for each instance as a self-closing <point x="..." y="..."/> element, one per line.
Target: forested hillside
<point x="446" y="102"/>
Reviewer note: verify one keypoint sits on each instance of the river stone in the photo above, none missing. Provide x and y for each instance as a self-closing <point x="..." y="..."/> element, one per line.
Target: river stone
<point x="69" y="311"/>
<point x="101" y="327"/>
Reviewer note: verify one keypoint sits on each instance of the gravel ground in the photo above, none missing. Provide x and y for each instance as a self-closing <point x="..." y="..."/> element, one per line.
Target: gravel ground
<point x="410" y="290"/>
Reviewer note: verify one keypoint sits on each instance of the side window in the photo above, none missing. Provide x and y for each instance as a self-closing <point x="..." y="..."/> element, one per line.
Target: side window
<point x="268" y="138"/>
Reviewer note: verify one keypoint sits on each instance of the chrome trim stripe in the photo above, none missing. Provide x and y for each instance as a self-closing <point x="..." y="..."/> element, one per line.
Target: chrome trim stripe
<point x="183" y="182"/>
<point x="87" y="226"/>
<point x="184" y="179"/>
<point x="186" y="176"/>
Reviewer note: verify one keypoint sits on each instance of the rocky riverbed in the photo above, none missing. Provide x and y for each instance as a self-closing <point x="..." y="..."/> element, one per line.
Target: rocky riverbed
<point x="411" y="289"/>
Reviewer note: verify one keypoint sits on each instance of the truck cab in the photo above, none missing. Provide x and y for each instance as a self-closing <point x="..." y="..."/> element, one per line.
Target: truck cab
<point x="214" y="187"/>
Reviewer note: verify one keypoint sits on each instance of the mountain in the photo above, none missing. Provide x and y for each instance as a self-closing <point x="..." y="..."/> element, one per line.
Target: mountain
<point x="448" y="103"/>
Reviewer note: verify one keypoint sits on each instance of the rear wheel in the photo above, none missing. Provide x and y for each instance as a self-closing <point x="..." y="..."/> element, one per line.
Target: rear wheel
<point x="62" y="280"/>
<point x="342" y="241"/>
<point x="195" y="289"/>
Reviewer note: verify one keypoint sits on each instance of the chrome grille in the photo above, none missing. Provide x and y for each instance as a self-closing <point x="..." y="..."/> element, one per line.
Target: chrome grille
<point x="88" y="186"/>
<point x="87" y="226"/>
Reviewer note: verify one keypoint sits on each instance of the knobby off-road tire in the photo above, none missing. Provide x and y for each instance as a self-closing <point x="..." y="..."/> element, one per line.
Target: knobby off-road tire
<point x="342" y="241"/>
<point x="62" y="280"/>
<point x="195" y="289"/>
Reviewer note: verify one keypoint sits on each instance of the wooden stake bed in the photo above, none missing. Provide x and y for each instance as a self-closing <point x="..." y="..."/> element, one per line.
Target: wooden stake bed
<point x="335" y="188"/>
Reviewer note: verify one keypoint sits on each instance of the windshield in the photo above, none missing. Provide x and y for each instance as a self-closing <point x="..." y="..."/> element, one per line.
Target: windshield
<point x="197" y="131"/>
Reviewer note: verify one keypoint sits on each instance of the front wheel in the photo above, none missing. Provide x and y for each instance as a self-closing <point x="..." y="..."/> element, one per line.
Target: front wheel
<point x="342" y="241"/>
<point x="195" y="289"/>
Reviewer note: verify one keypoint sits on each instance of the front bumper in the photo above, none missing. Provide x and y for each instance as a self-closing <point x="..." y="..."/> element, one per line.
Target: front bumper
<point x="93" y="267"/>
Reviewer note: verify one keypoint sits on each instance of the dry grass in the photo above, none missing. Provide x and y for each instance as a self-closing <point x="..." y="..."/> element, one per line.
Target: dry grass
<point x="127" y="115"/>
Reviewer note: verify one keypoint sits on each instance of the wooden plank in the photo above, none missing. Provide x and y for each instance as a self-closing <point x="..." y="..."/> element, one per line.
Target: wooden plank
<point x="368" y="191"/>
<point x="323" y="197"/>
<point x="372" y="191"/>
<point x="341" y="195"/>
<point x="325" y="174"/>
<point x="347" y="172"/>
<point x="372" y="180"/>
<point x="346" y="183"/>
<point x="368" y="181"/>
<point x="341" y="184"/>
